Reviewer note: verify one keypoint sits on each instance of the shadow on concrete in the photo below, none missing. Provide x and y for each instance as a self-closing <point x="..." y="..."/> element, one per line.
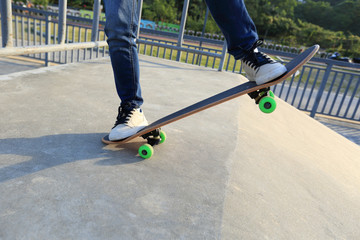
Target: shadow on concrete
<point x="54" y="150"/>
<point x="12" y="65"/>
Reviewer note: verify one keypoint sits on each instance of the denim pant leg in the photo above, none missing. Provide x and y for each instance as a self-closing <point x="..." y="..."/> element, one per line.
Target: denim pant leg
<point x="236" y="25"/>
<point x="121" y="29"/>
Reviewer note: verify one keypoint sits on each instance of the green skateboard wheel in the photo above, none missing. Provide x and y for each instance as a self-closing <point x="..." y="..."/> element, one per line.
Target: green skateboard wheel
<point x="271" y="94"/>
<point x="267" y="104"/>
<point x="162" y="136"/>
<point x="146" y="151"/>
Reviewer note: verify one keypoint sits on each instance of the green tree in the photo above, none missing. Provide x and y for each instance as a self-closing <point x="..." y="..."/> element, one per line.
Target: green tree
<point x="333" y="15"/>
<point x="346" y="16"/>
<point x="196" y="18"/>
<point x="315" y="12"/>
<point x="41" y="2"/>
<point x="282" y="28"/>
<point x="160" y="10"/>
<point x="263" y="12"/>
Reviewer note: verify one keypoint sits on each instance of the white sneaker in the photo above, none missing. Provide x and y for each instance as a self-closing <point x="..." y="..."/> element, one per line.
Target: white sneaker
<point x="260" y="68"/>
<point x="128" y="123"/>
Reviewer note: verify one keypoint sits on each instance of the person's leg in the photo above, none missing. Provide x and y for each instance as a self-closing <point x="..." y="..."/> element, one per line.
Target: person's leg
<point x="121" y="29"/>
<point x="242" y="39"/>
<point x="236" y="25"/>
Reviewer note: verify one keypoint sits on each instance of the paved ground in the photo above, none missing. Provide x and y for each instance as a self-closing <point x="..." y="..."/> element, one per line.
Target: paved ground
<point x="230" y="172"/>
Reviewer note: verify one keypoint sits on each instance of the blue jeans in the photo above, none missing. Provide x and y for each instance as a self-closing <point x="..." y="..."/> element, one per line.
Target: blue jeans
<point x="121" y="29"/>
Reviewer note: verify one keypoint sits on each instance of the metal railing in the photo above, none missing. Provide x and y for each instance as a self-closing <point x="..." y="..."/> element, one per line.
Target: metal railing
<point x="323" y="86"/>
<point x="36" y="33"/>
<point x="322" y="89"/>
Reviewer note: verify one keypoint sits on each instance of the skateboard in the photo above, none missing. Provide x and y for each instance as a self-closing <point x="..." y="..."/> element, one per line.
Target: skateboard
<point x="262" y="95"/>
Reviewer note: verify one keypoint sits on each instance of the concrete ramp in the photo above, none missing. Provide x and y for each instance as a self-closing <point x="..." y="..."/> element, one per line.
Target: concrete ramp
<point x="230" y="172"/>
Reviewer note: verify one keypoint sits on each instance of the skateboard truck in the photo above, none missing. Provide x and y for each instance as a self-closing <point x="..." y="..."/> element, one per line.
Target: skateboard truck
<point x="153" y="138"/>
<point x="265" y="99"/>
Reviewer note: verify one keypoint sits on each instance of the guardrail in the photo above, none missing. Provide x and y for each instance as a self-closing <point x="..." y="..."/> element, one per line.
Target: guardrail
<point x="323" y="89"/>
<point x="323" y="86"/>
<point x="34" y="30"/>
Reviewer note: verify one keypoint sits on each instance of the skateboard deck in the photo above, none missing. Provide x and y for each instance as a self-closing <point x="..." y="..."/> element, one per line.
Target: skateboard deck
<point x="260" y="93"/>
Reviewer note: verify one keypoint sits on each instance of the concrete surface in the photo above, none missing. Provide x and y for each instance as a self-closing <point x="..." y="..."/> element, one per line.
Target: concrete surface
<point x="230" y="172"/>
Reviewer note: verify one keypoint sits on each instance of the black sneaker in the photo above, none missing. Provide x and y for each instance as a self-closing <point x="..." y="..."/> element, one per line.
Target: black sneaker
<point x="259" y="67"/>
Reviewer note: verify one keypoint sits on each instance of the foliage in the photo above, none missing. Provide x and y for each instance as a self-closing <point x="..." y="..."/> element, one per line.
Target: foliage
<point x="41" y="2"/>
<point x="343" y="16"/>
<point x="196" y="18"/>
<point x="330" y="23"/>
<point x="160" y="10"/>
<point x="34" y="2"/>
<point x="78" y="4"/>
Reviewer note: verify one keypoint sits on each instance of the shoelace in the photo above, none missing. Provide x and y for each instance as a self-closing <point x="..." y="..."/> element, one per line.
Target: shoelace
<point x="256" y="59"/>
<point x="123" y="116"/>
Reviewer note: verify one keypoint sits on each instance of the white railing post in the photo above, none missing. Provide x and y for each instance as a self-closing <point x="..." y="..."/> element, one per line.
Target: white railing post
<point x="321" y="90"/>
<point x="223" y="55"/>
<point x="6" y="23"/>
<point x="62" y="21"/>
<point x="48" y="37"/>
<point x="96" y="20"/>
<point x="182" y="28"/>
<point x="140" y="5"/>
